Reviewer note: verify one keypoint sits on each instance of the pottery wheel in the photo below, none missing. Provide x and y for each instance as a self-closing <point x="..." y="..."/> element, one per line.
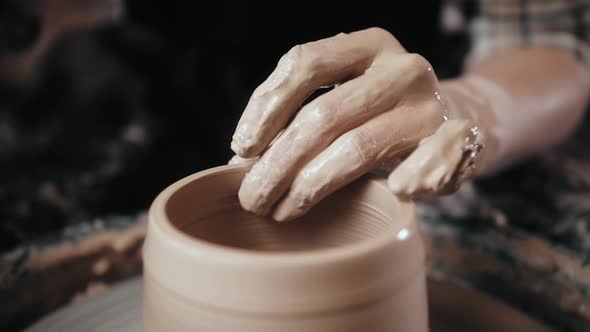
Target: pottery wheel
<point x="452" y="308"/>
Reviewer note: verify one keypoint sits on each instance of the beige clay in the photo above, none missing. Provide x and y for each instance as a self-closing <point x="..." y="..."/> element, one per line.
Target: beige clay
<point x="353" y="263"/>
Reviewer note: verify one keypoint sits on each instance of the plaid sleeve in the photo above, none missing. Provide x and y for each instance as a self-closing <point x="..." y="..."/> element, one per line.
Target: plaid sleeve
<point x="564" y="24"/>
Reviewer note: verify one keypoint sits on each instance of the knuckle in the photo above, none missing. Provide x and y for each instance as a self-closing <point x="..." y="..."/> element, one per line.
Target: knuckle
<point x="259" y="96"/>
<point x="361" y="146"/>
<point x="417" y="61"/>
<point x="303" y="57"/>
<point x="417" y="65"/>
<point x="295" y="53"/>
<point x="434" y="114"/>
<point x="380" y="33"/>
<point x="385" y="37"/>
<point x="416" y="74"/>
<point x="321" y="116"/>
<point x="432" y="109"/>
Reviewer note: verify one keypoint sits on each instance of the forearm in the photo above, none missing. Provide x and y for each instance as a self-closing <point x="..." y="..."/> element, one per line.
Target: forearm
<point x="523" y="100"/>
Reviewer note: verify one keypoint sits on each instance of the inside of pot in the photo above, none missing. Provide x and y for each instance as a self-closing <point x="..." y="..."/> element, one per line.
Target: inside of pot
<point x="207" y="209"/>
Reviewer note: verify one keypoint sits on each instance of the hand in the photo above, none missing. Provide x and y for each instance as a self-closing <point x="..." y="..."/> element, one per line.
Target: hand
<point x="385" y="101"/>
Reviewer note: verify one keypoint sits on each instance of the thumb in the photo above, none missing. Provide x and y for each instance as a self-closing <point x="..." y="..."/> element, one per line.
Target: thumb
<point x="440" y="162"/>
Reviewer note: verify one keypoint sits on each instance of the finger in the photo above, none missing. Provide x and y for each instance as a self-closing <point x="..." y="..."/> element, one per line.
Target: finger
<point x="235" y="160"/>
<point x="240" y="160"/>
<point x="322" y="121"/>
<point x="355" y="153"/>
<point x="439" y="163"/>
<point x="301" y="71"/>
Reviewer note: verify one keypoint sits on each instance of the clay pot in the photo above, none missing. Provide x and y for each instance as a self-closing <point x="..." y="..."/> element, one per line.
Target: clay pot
<point x="353" y="263"/>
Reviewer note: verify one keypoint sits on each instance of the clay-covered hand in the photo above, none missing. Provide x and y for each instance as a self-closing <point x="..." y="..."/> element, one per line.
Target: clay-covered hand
<point x="385" y="106"/>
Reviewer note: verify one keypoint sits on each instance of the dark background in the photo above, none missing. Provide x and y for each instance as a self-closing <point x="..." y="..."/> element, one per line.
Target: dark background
<point x="103" y="103"/>
<point x="118" y="109"/>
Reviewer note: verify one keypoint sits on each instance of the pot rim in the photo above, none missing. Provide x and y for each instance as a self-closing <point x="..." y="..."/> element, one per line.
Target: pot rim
<point x="215" y="253"/>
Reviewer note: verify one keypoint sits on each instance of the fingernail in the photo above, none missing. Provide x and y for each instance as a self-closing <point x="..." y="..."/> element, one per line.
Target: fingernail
<point x="281" y="214"/>
<point x="244" y="148"/>
<point x="236" y="160"/>
<point x="401" y="188"/>
<point x="394" y="185"/>
<point x="284" y="214"/>
<point x="246" y="162"/>
<point x="251" y="202"/>
<point x="236" y="148"/>
<point x="288" y="209"/>
<point x="240" y="140"/>
<point x="255" y="191"/>
<point x="249" y="197"/>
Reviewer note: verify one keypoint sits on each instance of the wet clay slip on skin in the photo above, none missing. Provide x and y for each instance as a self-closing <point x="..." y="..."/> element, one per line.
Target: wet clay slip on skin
<point x="355" y="262"/>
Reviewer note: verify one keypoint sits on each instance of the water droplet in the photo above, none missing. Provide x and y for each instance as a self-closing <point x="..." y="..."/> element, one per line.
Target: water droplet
<point x="437" y="95"/>
<point x="403" y="234"/>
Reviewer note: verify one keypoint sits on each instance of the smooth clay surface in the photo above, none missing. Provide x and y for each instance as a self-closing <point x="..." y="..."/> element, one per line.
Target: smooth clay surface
<point x="355" y="262"/>
<point x="452" y="309"/>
